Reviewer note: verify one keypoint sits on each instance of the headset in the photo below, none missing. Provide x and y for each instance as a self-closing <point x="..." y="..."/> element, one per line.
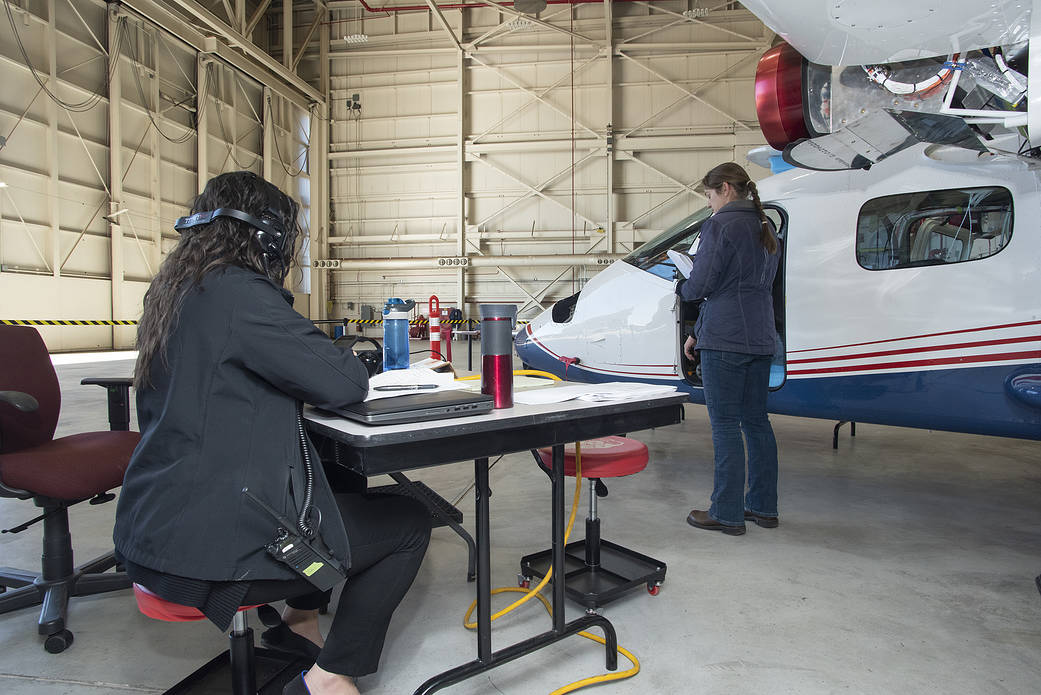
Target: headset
<point x="271" y="231"/>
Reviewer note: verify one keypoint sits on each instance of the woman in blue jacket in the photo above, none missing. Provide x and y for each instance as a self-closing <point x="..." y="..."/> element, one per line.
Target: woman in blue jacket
<point x="224" y="467"/>
<point x="733" y="272"/>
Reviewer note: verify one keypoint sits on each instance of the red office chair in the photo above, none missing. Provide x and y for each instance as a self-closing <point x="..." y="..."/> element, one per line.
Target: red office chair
<point x="598" y="571"/>
<point x="55" y="473"/>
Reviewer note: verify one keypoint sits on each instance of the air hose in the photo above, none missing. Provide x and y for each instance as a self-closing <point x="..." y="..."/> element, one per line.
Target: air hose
<point x="534" y="592"/>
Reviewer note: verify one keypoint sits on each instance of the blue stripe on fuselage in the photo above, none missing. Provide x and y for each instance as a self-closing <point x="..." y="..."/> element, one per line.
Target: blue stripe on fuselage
<point x="972" y="400"/>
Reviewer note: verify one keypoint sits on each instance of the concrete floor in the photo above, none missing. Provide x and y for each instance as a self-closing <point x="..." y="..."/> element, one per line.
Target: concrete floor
<point x="904" y="564"/>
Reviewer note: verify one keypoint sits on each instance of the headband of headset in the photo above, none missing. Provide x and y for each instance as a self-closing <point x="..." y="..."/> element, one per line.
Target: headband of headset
<point x="270" y="233"/>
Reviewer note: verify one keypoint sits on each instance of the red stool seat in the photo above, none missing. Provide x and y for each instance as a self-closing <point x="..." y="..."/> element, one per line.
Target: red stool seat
<point x="159" y="608"/>
<point x="606" y="457"/>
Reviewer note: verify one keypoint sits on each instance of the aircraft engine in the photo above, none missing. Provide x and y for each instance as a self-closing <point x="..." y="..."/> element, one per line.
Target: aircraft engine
<point x="856" y="115"/>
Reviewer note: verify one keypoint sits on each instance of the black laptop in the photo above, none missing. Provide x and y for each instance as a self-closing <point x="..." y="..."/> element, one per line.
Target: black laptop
<point x="417" y="407"/>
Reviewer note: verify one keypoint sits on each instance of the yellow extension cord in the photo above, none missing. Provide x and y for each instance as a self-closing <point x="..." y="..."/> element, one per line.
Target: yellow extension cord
<point x="534" y="593"/>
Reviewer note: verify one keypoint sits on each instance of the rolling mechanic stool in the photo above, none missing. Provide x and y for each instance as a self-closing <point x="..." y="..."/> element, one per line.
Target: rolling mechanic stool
<point x="596" y="571"/>
<point x="247" y="665"/>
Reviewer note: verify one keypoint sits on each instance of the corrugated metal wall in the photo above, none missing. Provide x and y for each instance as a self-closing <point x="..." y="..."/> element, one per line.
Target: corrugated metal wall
<point x="74" y="212"/>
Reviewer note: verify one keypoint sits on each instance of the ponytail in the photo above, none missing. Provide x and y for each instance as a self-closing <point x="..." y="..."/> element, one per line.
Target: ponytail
<point x="766" y="236"/>
<point x="736" y="176"/>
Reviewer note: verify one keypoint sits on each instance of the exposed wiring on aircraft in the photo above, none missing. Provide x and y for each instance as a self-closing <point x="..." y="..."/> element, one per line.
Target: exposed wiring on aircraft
<point x="882" y="75"/>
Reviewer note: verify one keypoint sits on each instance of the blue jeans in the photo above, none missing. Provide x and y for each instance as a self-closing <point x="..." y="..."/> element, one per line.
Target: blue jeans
<point x="736" y="386"/>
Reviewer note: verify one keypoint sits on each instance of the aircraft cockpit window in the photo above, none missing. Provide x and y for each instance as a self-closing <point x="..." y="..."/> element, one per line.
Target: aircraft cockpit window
<point x="651" y="255"/>
<point x="911" y="230"/>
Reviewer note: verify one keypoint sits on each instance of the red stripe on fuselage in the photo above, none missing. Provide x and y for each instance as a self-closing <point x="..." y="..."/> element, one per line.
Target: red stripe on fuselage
<point x="928" y="348"/>
<point x="964" y="359"/>
<point x="924" y="335"/>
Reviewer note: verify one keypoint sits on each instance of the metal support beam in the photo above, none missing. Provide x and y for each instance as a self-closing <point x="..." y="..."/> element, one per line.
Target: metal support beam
<point x="531" y="188"/>
<point x="202" y="129"/>
<point x="53" y="199"/>
<point x="504" y="75"/>
<point x="444" y="22"/>
<point x="534" y="20"/>
<point x="319" y="18"/>
<point x="287" y="34"/>
<point x="320" y="300"/>
<point x="304" y="93"/>
<point x="268" y="146"/>
<point x="541" y="187"/>
<point x="115" y="175"/>
<point x="692" y="95"/>
<point x="609" y="127"/>
<point x="460" y="164"/>
<point x="257" y="15"/>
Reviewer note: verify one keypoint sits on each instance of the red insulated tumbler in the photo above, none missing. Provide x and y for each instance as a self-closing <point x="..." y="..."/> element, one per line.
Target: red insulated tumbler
<point x="497" y="324"/>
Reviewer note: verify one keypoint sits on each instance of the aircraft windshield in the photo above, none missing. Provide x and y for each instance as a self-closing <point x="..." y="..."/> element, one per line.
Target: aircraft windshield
<point x="651" y="255"/>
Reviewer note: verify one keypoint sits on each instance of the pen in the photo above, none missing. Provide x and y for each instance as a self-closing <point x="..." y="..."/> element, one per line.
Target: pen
<point x="405" y="387"/>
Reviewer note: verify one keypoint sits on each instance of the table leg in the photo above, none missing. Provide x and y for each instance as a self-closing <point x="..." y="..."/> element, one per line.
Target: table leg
<point x="486" y="659"/>
<point x="557" y="478"/>
<point x="484" y="579"/>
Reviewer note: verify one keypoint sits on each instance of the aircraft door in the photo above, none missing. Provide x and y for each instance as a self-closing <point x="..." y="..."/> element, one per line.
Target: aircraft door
<point x="778" y="369"/>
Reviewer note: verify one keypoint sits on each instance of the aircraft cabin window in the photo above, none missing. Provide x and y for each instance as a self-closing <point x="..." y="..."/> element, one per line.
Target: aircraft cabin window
<point x="911" y="230"/>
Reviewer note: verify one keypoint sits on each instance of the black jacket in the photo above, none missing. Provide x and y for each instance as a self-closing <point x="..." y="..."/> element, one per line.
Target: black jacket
<point x="735" y="275"/>
<point x="223" y="417"/>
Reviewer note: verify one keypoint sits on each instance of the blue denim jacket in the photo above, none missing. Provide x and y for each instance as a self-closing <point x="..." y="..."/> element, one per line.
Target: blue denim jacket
<point x="735" y="275"/>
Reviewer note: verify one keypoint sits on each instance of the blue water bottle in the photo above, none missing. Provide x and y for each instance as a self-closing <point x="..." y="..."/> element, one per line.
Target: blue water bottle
<point x="395" y="333"/>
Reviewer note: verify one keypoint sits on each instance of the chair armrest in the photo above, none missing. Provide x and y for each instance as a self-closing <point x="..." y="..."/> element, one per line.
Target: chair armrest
<point x="118" y="399"/>
<point x="21" y="401"/>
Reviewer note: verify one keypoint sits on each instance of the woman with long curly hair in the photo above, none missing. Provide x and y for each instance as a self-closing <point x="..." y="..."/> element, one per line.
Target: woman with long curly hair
<point x="734" y="270"/>
<point x="224" y="467"/>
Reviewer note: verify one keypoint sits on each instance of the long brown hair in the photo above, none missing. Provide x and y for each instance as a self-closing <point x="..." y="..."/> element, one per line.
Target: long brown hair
<point x="224" y="241"/>
<point x="736" y="176"/>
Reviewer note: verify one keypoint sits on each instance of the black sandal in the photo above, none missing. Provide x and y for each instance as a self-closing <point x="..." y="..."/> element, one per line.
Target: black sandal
<point x="281" y="638"/>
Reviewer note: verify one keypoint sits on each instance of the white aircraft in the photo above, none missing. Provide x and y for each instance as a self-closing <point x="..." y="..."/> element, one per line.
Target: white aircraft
<point x="909" y="291"/>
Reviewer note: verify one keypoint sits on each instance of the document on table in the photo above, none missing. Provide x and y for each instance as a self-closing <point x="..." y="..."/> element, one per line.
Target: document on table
<point x="414" y="376"/>
<point x="598" y="393"/>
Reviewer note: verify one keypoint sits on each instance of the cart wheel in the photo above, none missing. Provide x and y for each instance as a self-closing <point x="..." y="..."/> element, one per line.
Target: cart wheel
<point x="654" y="589"/>
<point x="524" y="582"/>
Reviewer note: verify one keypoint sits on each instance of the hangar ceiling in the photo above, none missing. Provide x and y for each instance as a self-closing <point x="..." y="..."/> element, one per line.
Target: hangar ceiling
<point x="474" y="151"/>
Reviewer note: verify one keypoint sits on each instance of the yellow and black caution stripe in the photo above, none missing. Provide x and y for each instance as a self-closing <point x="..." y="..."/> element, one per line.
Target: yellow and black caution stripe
<point x="62" y="322"/>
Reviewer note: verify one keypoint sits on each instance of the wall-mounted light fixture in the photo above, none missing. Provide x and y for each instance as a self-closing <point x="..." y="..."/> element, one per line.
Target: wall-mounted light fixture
<point x="356" y="38"/>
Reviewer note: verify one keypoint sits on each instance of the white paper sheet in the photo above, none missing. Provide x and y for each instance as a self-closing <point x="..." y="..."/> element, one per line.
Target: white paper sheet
<point x="610" y="391"/>
<point x="683" y="262"/>
<point x="414" y="376"/>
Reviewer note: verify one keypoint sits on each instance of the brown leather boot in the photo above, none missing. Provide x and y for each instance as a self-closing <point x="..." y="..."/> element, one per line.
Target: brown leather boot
<point x="700" y="519"/>
<point x="764" y="521"/>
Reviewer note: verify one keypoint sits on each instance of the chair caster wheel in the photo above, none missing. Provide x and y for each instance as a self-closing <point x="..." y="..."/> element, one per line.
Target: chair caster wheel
<point x="58" y="642"/>
<point x="654" y="589"/>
